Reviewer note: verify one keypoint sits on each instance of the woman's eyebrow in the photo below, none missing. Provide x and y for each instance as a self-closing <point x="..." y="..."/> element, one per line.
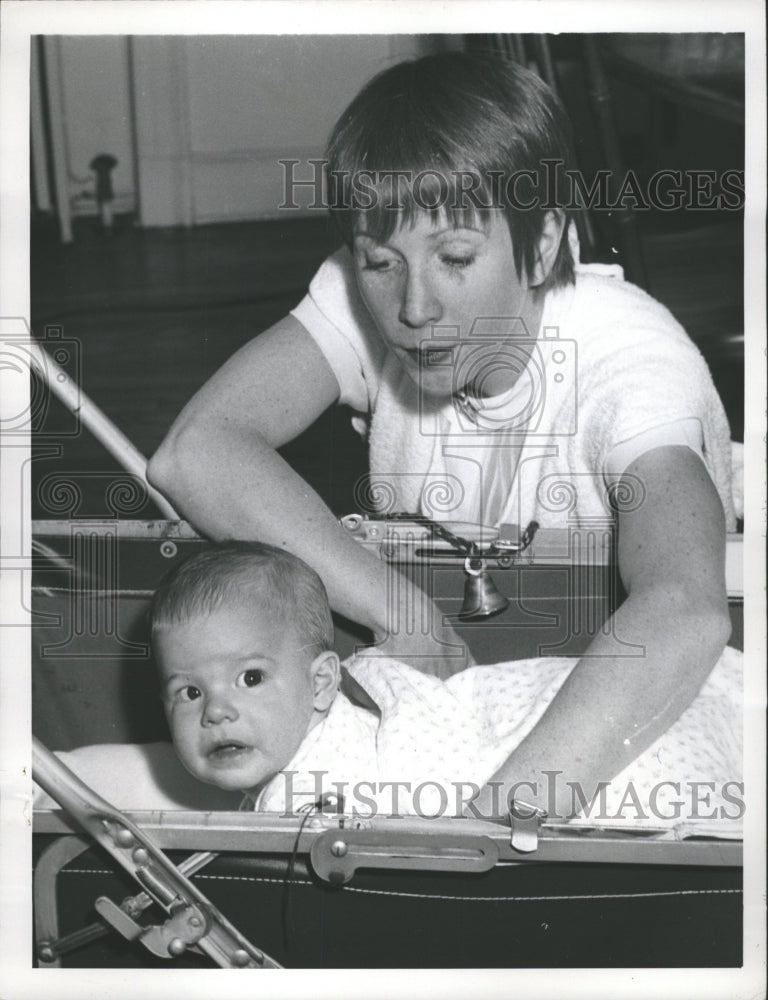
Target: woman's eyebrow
<point x="430" y="236"/>
<point x="457" y="230"/>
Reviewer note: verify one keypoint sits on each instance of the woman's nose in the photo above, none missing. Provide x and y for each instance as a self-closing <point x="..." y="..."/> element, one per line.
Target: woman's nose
<point x="218" y="709"/>
<point x="419" y="307"/>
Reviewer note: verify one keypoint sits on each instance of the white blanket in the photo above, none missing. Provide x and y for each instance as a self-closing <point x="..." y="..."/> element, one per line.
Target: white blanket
<point x="439" y="738"/>
<point x="435" y="739"/>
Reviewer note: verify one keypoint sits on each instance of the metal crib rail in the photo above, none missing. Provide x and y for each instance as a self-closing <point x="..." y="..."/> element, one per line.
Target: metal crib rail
<point x="695" y="844"/>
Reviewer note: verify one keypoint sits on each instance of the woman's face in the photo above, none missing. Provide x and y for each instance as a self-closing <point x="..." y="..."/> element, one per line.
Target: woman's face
<point x="428" y="285"/>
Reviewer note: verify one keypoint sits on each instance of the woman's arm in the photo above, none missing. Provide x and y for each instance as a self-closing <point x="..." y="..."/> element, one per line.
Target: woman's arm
<point x="619" y="699"/>
<point x="219" y="466"/>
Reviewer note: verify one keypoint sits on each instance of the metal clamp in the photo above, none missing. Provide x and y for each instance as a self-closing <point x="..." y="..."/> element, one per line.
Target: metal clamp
<point x="184" y="928"/>
<point x="525" y="820"/>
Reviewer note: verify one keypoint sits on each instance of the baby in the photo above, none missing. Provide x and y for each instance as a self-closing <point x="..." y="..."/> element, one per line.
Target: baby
<point x="251" y="686"/>
<point x="258" y="705"/>
<point x="243" y="637"/>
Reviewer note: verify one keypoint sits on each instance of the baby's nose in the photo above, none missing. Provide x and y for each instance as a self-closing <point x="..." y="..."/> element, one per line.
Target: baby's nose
<point x="219" y="709"/>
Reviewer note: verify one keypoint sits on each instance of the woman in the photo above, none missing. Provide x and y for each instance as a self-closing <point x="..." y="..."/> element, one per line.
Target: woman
<point x="455" y="318"/>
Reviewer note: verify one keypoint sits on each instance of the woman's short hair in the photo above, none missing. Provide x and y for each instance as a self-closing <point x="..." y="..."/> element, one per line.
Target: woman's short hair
<point x="455" y="133"/>
<point x="248" y="575"/>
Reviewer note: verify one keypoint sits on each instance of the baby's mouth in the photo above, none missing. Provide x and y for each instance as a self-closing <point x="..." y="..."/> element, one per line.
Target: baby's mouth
<point x="227" y="750"/>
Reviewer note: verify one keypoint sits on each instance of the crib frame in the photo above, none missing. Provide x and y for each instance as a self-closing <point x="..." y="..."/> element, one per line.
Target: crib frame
<point x="382" y="848"/>
<point x="79" y="579"/>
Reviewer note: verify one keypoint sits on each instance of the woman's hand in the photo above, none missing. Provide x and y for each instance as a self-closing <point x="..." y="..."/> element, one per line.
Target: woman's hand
<point x="220" y="468"/>
<point x="419" y="636"/>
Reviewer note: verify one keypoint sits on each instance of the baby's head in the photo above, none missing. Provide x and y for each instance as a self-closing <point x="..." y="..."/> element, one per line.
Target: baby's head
<point x="243" y="637"/>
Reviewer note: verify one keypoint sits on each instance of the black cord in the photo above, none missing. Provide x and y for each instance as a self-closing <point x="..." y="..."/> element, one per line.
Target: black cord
<point x="307" y="809"/>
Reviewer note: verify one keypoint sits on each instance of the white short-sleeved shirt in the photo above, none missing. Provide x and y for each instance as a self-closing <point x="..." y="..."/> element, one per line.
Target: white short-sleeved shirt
<point x="611" y="376"/>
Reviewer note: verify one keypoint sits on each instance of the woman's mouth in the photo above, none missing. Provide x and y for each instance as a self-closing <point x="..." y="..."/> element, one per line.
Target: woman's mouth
<point x="431" y="356"/>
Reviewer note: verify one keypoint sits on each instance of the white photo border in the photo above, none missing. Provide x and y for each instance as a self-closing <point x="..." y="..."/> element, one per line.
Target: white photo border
<point x="21" y="20"/>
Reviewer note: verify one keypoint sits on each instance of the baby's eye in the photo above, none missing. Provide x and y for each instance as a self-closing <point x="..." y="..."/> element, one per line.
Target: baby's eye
<point x="189" y="693"/>
<point x="250" y="678"/>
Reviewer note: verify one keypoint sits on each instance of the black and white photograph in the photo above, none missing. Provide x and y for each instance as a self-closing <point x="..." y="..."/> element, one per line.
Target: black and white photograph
<point x="383" y="498"/>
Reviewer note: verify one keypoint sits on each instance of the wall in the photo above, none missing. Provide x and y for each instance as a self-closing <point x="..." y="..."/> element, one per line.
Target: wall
<point x="198" y="123"/>
<point x="89" y="92"/>
<point x="215" y="115"/>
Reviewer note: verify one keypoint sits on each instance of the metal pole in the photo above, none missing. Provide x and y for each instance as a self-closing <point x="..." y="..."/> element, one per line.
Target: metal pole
<point x="98" y="423"/>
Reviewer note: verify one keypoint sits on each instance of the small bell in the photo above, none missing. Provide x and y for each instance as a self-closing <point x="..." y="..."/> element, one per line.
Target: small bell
<point x="481" y="598"/>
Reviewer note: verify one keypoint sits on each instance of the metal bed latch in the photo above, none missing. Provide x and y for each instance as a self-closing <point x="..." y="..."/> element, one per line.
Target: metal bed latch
<point x="525" y="820"/>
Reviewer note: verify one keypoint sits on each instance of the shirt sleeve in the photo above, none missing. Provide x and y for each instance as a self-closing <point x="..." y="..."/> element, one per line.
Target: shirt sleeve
<point x="687" y="432"/>
<point x="337" y="319"/>
<point x="643" y="384"/>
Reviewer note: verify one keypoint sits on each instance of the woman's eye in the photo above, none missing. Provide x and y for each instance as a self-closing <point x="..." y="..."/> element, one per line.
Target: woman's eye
<point x="377" y="265"/>
<point x="456" y="261"/>
<point x="250" y="678"/>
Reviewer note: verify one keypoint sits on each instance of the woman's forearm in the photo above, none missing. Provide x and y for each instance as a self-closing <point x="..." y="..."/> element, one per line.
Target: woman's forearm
<point x="636" y="680"/>
<point x="236" y="485"/>
<point x="233" y="484"/>
<point x="220" y="468"/>
<point x="623" y="694"/>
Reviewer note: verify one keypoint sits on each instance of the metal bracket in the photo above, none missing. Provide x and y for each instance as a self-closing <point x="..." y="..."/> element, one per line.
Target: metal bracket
<point x="337" y="854"/>
<point x="183" y="929"/>
<point x="525" y="821"/>
<point x="49" y="945"/>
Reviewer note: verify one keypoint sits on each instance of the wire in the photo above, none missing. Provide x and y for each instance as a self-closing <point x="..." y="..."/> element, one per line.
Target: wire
<point x="307" y="809"/>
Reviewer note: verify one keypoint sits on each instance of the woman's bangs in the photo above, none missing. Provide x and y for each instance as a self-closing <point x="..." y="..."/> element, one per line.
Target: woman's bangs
<point x="380" y="202"/>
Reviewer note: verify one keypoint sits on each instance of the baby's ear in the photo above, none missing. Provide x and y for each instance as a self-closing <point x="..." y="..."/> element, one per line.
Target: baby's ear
<point x="326" y="673"/>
